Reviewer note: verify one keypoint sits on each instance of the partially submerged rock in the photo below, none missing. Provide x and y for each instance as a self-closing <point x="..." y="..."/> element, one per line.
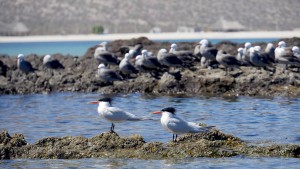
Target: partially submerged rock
<point x="111" y="145"/>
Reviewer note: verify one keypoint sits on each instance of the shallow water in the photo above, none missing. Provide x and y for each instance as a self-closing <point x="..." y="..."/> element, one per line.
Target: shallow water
<point x="78" y="48"/>
<point x="255" y="120"/>
<point x="233" y="162"/>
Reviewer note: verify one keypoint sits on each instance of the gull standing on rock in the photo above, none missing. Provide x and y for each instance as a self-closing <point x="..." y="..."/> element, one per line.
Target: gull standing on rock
<point x="135" y="50"/>
<point x="168" y="59"/>
<point x="296" y="51"/>
<point x="24" y="65"/>
<point x="270" y="50"/>
<point x="126" y="67"/>
<point x="145" y="63"/>
<point x="51" y="63"/>
<point x="285" y="56"/>
<point x="239" y="55"/>
<point x="184" y="55"/>
<point x="246" y="54"/>
<point x="113" y="114"/>
<point x="176" y="125"/>
<point x="107" y="75"/>
<point x="208" y="53"/>
<point x="227" y="60"/>
<point x="103" y="56"/>
<point x="258" y="60"/>
<point x="150" y="62"/>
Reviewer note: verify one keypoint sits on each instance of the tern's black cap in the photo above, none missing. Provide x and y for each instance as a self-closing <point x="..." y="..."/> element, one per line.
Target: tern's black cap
<point x="105" y="99"/>
<point x="169" y="109"/>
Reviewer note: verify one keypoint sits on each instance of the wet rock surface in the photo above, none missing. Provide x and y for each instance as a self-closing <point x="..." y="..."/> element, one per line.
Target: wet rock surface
<point x="211" y="144"/>
<point x="79" y="75"/>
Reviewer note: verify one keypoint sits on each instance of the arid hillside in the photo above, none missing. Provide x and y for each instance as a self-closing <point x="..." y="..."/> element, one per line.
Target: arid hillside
<point x="118" y="16"/>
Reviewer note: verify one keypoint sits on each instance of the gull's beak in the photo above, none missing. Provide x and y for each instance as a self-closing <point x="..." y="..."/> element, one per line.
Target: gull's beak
<point x="156" y="112"/>
<point x="94" y="102"/>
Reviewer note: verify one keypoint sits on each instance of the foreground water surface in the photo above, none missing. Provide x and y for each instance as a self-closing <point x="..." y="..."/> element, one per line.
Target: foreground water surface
<point x="253" y="119"/>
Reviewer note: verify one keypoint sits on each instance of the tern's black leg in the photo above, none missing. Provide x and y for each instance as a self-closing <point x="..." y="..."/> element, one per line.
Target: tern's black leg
<point x="175" y="137"/>
<point x="112" y="127"/>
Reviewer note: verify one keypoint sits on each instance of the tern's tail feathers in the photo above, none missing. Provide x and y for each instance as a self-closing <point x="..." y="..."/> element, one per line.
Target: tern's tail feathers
<point x="200" y="129"/>
<point x="139" y="118"/>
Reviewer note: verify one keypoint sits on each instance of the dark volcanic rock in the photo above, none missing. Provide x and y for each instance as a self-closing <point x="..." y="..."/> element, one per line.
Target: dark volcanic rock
<point x="79" y="75"/>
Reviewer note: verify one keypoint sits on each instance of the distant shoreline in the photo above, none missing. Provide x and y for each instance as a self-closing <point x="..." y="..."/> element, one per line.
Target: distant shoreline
<point x="152" y="36"/>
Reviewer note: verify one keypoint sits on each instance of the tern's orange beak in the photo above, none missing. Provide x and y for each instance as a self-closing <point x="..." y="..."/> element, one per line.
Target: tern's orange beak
<point x="156" y="112"/>
<point x="94" y="102"/>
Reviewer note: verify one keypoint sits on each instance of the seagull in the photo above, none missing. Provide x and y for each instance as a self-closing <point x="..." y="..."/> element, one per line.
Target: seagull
<point x="285" y="56"/>
<point x="296" y="51"/>
<point x="113" y="114"/>
<point x="183" y="55"/>
<point x="227" y="60"/>
<point x="197" y="53"/>
<point x="239" y="55"/>
<point x="150" y="62"/>
<point x="126" y="67"/>
<point x="168" y="59"/>
<point x="107" y="75"/>
<point x="24" y="65"/>
<point x="176" y="125"/>
<point x="103" y="56"/>
<point x="270" y="50"/>
<point x="208" y="53"/>
<point x="52" y="63"/>
<point x="246" y="54"/>
<point x="259" y="60"/>
<point x="145" y="63"/>
<point x="135" y="50"/>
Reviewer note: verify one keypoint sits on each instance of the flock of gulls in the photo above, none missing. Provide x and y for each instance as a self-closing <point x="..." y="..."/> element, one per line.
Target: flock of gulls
<point x="138" y="60"/>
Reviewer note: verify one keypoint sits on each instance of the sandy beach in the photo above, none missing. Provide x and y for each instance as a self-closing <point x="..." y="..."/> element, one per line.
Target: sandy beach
<point x="153" y="36"/>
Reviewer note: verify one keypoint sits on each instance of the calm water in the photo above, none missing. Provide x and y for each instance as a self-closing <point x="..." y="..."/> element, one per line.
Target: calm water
<point x="255" y="120"/>
<point x="78" y="48"/>
<point x="234" y="162"/>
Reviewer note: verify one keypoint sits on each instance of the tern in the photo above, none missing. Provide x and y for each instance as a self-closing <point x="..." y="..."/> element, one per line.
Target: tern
<point x="113" y="114"/>
<point x="176" y="125"/>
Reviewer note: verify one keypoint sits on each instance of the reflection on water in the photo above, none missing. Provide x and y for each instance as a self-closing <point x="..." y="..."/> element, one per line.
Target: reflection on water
<point x="61" y="114"/>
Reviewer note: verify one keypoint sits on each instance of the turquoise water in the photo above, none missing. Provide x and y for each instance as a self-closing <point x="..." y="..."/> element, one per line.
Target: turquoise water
<point x="78" y="48"/>
<point x="259" y="121"/>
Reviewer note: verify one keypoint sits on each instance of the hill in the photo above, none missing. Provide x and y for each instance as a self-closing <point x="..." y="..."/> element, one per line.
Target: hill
<point x="119" y="16"/>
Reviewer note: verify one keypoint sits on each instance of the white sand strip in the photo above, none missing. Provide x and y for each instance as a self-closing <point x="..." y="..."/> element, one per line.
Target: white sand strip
<point x="153" y="36"/>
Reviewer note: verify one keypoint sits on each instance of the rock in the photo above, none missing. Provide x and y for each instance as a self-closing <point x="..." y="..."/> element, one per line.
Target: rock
<point x="79" y="76"/>
<point x="110" y="145"/>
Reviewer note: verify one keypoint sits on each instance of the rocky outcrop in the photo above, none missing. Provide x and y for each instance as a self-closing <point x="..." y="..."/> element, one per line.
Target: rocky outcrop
<point x="79" y="75"/>
<point x="211" y="144"/>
